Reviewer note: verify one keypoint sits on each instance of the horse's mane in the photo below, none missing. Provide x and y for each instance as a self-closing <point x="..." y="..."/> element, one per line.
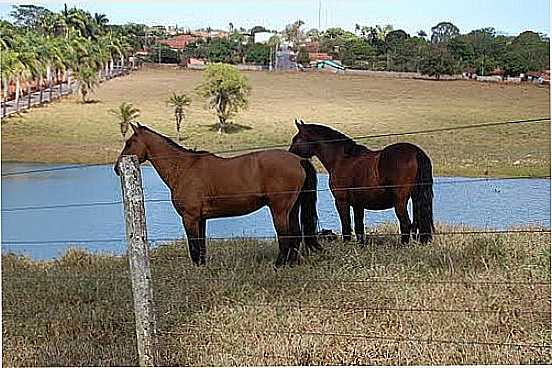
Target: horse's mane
<point x="325" y="133"/>
<point x="172" y="143"/>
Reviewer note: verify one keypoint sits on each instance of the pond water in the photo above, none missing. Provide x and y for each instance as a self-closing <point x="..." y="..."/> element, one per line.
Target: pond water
<point x="486" y="204"/>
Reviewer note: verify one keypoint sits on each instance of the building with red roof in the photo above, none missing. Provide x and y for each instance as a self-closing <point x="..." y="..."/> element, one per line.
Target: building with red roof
<point x="179" y="42"/>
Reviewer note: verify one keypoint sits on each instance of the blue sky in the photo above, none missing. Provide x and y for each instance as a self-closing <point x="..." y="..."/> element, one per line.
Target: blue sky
<point x="506" y="16"/>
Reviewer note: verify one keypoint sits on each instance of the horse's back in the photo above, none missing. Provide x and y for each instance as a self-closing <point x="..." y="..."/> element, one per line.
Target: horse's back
<point x="260" y="170"/>
<point x="280" y="170"/>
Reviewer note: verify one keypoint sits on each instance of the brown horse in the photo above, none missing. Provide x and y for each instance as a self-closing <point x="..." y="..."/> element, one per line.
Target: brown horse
<point x="372" y="180"/>
<point x="205" y="186"/>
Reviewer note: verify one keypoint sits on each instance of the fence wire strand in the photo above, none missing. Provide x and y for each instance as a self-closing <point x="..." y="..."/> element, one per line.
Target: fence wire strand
<point x="376" y="337"/>
<point x="244" y="149"/>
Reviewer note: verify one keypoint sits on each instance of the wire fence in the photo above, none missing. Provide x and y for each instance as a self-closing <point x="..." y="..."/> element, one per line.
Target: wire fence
<point x="285" y="145"/>
<point x="501" y="310"/>
<point x="247" y="194"/>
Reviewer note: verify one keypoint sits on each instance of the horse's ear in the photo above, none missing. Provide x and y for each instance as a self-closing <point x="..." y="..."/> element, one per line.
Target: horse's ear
<point x="302" y="122"/>
<point x="139" y="125"/>
<point x="134" y="128"/>
<point x="297" y="124"/>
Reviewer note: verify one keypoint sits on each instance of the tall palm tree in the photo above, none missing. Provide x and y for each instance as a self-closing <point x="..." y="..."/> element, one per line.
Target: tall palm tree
<point x="178" y="102"/>
<point x="126" y="113"/>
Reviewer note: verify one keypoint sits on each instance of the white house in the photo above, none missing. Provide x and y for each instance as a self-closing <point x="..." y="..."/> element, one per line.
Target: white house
<point x="263" y="37"/>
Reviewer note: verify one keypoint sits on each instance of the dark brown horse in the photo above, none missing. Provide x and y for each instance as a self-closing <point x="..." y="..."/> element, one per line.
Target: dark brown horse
<point x="372" y="180"/>
<point x="205" y="186"/>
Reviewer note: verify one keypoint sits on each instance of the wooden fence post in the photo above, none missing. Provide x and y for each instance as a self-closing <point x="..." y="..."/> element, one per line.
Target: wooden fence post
<point x="135" y="218"/>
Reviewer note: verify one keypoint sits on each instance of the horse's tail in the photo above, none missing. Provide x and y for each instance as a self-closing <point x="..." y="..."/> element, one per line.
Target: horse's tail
<point x="422" y="199"/>
<point x="307" y="203"/>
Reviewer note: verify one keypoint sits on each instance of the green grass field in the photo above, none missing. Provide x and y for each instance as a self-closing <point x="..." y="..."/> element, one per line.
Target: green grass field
<point x="69" y="131"/>
<point x="445" y="303"/>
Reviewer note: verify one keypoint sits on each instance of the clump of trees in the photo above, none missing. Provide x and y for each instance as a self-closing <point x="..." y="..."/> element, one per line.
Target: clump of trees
<point x="226" y="91"/>
<point x="445" y="50"/>
<point x="42" y="48"/>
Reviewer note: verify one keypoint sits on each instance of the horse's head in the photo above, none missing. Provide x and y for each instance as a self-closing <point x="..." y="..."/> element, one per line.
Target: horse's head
<point x="135" y="145"/>
<point x="301" y="144"/>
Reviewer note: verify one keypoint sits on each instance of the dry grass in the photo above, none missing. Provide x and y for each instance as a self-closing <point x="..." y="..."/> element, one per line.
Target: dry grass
<point x="238" y="311"/>
<point x="68" y="131"/>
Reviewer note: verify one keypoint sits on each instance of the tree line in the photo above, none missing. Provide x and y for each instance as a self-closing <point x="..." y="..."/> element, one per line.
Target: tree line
<point x="42" y="48"/>
<point x="444" y="51"/>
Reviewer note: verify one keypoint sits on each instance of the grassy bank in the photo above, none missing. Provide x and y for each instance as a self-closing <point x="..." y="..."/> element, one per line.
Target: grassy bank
<point x="68" y="131"/>
<point x="446" y="303"/>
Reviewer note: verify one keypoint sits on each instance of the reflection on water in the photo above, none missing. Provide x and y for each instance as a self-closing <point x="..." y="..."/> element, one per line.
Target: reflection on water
<point x="486" y="204"/>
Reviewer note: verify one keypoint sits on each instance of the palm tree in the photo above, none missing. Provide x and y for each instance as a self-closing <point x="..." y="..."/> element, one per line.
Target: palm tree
<point x="126" y="113"/>
<point x="87" y="79"/>
<point x="178" y="102"/>
<point x="101" y="21"/>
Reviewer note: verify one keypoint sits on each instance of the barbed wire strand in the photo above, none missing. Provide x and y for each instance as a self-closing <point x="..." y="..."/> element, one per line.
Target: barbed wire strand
<point x="269" y="237"/>
<point x="368" y="280"/>
<point x="472" y="126"/>
<point x="377" y="337"/>
<point x="246" y="194"/>
<point x="15" y="317"/>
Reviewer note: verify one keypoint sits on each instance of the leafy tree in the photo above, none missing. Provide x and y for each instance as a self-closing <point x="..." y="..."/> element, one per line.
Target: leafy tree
<point x="373" y="36"/>
<point x="395" y="42"/>
<point x="536" y="49"/>
<point x="226" y="91"/>
<point x="314" y="34"/>
<point x="29" y="15"/>
<point x="126" y="113"/>
<point x="462" y="51"/>
<point x="258" y="53"/>
<point x="334" y="39"/>
<point x="303" y="56"/>
<point x="293" y="32"/>
<point x="87" y="80"/>
<point x="179" y="102"/>
<point x="220" y="51"/>
<point x="357" y="53"/>
<point x="438" y="62"/>
<point x="443" y="32"/>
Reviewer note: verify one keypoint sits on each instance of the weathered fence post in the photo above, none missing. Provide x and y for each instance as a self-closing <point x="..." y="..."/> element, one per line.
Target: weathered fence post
<point x="135" y="218"/>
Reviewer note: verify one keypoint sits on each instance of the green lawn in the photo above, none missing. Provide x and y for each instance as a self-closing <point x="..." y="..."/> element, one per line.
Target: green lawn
<point x="69" y="131"/>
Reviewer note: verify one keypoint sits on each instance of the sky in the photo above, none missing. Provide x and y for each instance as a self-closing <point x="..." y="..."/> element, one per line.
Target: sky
<point x="509" y="17"/>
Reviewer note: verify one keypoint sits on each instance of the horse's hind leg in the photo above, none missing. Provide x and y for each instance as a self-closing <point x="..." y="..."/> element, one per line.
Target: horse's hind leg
<point x="358" y="212"/>
<point x="288" y="250"/>
<point x="294" y="239"/>
<point x="402" y="213"/>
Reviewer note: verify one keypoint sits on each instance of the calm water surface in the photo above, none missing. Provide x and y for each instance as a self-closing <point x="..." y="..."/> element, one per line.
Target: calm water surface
<point x="484" y="204"/>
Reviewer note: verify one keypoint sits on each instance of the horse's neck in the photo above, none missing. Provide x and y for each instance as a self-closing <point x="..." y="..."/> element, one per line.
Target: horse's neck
<point x="169" y="161"/>
<point x="331" y="156"/>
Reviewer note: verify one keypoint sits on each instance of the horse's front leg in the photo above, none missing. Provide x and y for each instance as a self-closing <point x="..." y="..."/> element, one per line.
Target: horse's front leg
<point x="344" y="210"/>
<point x="196" y="239"/>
